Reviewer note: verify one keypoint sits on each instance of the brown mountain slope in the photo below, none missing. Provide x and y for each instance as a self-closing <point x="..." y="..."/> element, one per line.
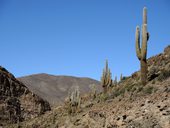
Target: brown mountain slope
<point x="55" y="88"/>
<point x="17" y="102"/>
<point x="128" y="105"/>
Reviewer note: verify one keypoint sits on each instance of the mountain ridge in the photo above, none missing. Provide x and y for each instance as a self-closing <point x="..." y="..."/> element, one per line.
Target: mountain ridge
<point x="54" y="88"/>
<point x="34" y="74"/>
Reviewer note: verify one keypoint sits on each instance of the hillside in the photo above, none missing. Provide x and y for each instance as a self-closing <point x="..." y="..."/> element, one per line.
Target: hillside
<point x="128" y="105"/>
<point x="17" y="102"/>
<point x="55" y="88"/>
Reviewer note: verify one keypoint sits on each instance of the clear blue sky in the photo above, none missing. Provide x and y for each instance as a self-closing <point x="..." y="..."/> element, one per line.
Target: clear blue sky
<point x="74" y="37"/>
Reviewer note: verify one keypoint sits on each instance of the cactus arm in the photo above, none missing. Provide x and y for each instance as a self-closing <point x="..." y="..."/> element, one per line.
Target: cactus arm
<point x="103" y="78"/>
<point x="106" y="66"/>
<point x="109" y="78"/>
<point x="145" y="35"/>
<point x="138" y="49"/>
<point x="144" y="41"/>
<point x="144" y="15"/>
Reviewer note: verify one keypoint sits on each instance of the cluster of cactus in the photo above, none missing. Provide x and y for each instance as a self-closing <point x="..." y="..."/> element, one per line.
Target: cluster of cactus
<point x="106" y="79"/>
<point x="142" y="51"/>
<point x="74" y="99"/>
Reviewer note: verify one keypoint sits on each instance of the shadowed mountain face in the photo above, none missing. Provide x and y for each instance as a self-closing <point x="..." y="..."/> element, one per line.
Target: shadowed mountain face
<point x="55" y="88"/>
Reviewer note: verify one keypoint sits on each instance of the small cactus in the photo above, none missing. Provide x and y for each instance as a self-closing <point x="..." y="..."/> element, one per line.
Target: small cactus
<point x="74" y="99"/>
<point x="106" y="79"/>
<point x="121" y="77"/>
<point x="115" y="81"/>
<point x="142" y="51"/>
<point x="93" y="90"/>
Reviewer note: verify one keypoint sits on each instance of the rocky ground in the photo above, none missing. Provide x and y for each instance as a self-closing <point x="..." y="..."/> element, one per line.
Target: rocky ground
<point x="127" y="105"/>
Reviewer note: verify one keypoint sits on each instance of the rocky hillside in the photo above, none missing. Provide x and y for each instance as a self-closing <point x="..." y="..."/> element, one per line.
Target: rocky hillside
<point x="55" y="88"/>
<point x="17" y="102"/>
<point x="127" y="105"/>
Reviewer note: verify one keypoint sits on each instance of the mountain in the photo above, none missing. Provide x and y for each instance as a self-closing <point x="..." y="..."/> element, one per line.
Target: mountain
<point x="17" y="102"/>
<point x="129" y="104"/>
<point x="55" y="88"/>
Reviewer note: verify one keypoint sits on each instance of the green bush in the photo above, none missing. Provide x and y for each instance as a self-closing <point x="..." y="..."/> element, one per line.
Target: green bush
<point x="164" y="75"/>
<point x="129" y="87"/>
<point x="103" y="97"/>
<point x="148" y="90"/>
<point x="140" y="88"/>
<point x="118" y="92"/>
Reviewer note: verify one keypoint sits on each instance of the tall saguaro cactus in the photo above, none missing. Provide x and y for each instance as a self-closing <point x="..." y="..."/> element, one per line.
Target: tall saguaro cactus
<point x="142" y="51"/>
<point x="106" y="79"/>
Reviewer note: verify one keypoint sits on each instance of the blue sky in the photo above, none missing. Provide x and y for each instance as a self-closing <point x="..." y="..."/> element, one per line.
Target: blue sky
<point x="75" y="37"/>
